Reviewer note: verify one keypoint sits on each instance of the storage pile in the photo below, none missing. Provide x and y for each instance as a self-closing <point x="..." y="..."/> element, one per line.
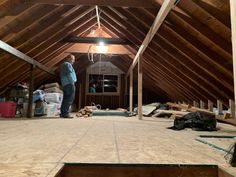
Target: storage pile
<point x="86" y="112"/>
<point x="11" y="104"/>
<point x="48" y="100"/>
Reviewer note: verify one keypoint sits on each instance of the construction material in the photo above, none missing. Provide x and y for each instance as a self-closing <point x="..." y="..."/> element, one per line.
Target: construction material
<point x="85" y="112"/>
<point x="140" y="87"/>
<point x="148" y="109"/>
<point x="188" y="108"/>
<point x="171" y="112"/>
<point x="227" y="115"/>
<point x="228" y="121"/>
<point x="210" y="105"/>
<point x="233" y="34"/>
<point x="179" y="106"/>
<point x="232" y="108"/>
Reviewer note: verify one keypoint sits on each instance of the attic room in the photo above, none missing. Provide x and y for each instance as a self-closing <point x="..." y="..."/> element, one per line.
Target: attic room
<point x="117" y="88"/>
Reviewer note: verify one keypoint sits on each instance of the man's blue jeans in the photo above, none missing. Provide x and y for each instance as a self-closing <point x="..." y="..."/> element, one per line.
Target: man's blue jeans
<point x="68" y="98"/>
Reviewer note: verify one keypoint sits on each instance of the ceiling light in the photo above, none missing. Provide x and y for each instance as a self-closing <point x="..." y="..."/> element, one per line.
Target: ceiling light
<point x="101" y="48"/>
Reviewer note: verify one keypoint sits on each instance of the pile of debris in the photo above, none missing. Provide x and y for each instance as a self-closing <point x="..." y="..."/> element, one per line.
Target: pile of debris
<point x="86" y="112"/>
<point x="184" y="115"/>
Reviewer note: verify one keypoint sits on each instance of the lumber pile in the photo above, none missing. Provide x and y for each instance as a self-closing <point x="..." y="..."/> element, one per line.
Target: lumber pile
<point x="228" y="121"/>
<point x="173" y="113"/>
<point x="189" y="108"/>
<point x="176" y="110"/>
<point x="86" y="112"/>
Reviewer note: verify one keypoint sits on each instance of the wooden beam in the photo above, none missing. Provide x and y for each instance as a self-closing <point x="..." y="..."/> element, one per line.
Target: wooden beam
<point x="115" y="3"/>
<point x="219" y="106"/>
<point x="232" y="108"/>
<point x="140" y="88"/>
<point x="96" y="40"/>
<point x="202" y="104"/>
<point x="91" y="48"/>
<point x="24" y="57"/>
<point x="98" y="17"/>
<point x="233" y="38"/>
<point x="31" y="89"/>
<point x="210" y="105"/>
<point x="111" y="24"/>
<point x="131" y="92"/>
<point x="133" y="37"/>
<point x="195" y="104"/>
<point x="163" y="12"/>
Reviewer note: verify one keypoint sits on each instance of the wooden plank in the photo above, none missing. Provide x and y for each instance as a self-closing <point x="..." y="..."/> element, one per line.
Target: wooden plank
<point x="163" y="12"/>
<point x="177" y="113"/>
<point x="232" y="108"/>
<point x="223" y="173"/>
<point x="210" y="105"/>
<point x="24" y="57"/>
<point x="74" y="170"/>
<point x="131" y="92"/>
<point x="228" y="121"/>
<point x="233" y="38"/>
<point x="92" y="48"/>
<point x="219" y="106"/>
<point x="31" y="89"/>
<point x="121" y="3"/>
<point x="195" y="109"/>
<point x="195" y="103"/>
<point x="206" y="18"/>
<point x="140" y="87"/>
<point x="202" y="104"/>
<point x="180" y="106"/>
<point x="96" y="40"/>
<point x="189" y="108"/>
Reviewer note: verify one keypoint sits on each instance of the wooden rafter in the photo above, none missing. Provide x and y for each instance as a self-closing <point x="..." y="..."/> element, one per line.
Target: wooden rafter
<point x="163" y="12"/>
<point x="53" y="60"/>
<point x="161" y="54"/>
<point x="75" y="39"/>
<point x="154" y="76"/>
<point x="134" y="33"/>
<point x="120" y="3"/>
<point x="233" y="31"/>
<point x="4" y="46"/>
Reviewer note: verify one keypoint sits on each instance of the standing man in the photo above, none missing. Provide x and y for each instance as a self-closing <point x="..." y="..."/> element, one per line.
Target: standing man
<point x="68" y="79"/>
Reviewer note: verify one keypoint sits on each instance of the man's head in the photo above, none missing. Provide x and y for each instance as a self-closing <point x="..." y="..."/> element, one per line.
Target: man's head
<point x="70" y="58"/>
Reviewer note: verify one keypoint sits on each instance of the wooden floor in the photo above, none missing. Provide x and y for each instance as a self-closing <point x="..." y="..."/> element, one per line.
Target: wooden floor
<point x="39" y="147"/>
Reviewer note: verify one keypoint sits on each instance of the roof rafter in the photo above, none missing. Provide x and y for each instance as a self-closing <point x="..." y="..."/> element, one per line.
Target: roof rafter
<point x="120" y="3"/>
<point x="133" y="34"/>
<point x="163" y="12"/>
<point x="4" y="46"/>
<point x="75" y="39"/>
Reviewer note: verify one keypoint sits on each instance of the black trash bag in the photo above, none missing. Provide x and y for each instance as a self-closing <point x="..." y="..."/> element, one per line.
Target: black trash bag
<point x="199" y="121"/>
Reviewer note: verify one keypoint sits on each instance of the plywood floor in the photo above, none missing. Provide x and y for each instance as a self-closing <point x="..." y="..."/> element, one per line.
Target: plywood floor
<point x="38" y="148"/>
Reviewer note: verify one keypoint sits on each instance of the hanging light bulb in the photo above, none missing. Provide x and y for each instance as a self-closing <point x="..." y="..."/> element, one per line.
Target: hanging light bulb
<point x="101" y="48"/>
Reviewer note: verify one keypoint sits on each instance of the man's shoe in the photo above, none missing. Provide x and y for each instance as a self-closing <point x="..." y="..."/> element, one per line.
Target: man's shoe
<point x="66" y="116"/>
